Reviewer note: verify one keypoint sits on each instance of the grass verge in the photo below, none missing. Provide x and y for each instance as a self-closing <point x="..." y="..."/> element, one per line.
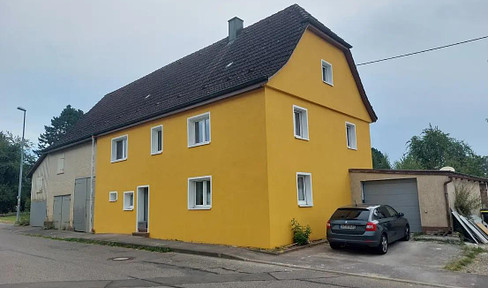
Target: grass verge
<point x="10" y="219"/>
<point x="468" y="256"/>
<point x="108" y="243"/>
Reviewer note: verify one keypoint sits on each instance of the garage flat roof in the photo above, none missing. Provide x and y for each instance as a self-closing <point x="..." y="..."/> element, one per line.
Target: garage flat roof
<point x="421" y="172"/>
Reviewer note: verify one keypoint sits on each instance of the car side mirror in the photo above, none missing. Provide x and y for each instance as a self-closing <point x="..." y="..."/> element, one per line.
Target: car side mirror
<point x="400" y="214"/>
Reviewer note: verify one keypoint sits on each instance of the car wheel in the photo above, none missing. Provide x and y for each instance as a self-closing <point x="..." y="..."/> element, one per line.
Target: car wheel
<point x="335" y="246"/>
<point x="383" y="247"/>
<point x="407" y="234"/>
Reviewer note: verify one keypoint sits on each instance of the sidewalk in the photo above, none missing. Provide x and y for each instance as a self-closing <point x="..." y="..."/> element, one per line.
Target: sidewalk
<point x="211" y="250"/>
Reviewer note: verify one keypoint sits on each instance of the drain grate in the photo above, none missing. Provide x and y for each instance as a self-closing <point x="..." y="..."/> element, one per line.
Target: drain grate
<point x="121" y="258"/>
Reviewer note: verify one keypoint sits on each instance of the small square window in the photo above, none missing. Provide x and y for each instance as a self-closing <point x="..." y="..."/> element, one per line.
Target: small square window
<point x="199" y="130"/>
<point x="119" y="148"/>
<point x="351" y="136"/>
<point x="112" y="196"/>
<point x="304" y="189"/>
<point x="327" y="73"/>
<point x="60" y="164"/>
<point x="129" y="200"/>
<point x="200" y="193"/>
<point x="157" y="140"/>
<point x="300" y="122"/>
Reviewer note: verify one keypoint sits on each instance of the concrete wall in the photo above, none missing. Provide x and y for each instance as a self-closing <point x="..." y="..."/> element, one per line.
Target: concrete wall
<point x="49" y="181"/>
<point x="432" y="200"/>
<point x="430" y="188"/>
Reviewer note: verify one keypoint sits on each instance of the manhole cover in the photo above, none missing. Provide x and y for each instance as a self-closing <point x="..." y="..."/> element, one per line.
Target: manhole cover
<point x="121" y="258"/>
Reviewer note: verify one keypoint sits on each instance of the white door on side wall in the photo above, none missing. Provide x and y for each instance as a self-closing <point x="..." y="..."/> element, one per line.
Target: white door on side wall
<point x="400" y="194"/>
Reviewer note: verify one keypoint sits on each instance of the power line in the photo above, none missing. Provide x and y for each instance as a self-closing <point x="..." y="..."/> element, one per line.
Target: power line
<point x="422" y="51"/>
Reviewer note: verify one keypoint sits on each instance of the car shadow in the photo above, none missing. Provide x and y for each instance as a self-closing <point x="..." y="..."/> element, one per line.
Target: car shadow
<point x="361" y="250"/>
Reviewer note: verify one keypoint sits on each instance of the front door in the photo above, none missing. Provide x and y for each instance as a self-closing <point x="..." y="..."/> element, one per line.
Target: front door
<point x="143" y="209"/>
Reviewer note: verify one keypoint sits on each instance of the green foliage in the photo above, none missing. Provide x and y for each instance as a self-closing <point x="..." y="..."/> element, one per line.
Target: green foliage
<point x="59" y="126"/>
<point x="300" y="234"/>
<point x="380" y="160"/>
<point x="469" y="254"/>
<point x="465" y="203"/>
<point x="24" y="219"/>
<point x="9" y="171"/>
<point x="434" y="149"/>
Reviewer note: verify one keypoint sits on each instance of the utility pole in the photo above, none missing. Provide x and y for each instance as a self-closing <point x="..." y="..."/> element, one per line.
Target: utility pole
<point x="21" y="165"/>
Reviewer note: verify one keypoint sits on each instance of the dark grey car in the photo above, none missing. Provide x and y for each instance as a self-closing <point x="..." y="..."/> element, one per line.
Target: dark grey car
<point x="367" y="225"/>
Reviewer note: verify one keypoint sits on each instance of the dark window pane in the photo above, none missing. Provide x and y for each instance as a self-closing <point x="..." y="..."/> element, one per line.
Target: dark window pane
<point x="298" y="124"/>
<point x="207" y="130"/>
<point x="119" y="147"/>
<point x="351" y="214"/>
<point x="197" y="133"/>
<point x="209" y="193"/>
<point x="199" y="193"/>
<point x="160" y="140"/>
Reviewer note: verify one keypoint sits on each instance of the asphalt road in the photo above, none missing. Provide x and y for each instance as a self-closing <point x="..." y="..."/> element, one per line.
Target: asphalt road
<point x="37" y="262"/>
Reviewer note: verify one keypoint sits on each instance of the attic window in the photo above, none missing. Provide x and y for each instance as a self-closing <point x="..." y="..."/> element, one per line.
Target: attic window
<point x="148" y="95"/>
<point x="228" y="65"/>
<point x="327" y="73"/>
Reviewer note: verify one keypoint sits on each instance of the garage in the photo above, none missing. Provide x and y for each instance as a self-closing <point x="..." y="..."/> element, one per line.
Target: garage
<point x="400" y="194"/>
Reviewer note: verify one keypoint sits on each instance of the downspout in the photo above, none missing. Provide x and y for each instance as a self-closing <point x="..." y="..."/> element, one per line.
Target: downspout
<point x="448" y="212"/>
<point x="92" y="189"/>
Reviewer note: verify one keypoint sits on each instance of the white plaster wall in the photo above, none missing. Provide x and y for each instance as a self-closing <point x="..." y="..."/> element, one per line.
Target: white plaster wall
<point x="47" y="182"/>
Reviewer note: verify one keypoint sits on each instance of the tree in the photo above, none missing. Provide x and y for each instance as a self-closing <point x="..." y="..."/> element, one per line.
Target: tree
<point x="434" y="149"/>
<point x="9" y="171"/>
<point x="59" y="125"/>
<point x="380" y="160"/>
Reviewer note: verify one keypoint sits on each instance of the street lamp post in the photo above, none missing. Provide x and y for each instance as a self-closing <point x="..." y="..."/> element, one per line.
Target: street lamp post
<point x="21" y="165"/>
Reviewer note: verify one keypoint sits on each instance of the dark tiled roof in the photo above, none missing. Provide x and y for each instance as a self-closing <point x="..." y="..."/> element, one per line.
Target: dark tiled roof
<point x="259" y="52"/>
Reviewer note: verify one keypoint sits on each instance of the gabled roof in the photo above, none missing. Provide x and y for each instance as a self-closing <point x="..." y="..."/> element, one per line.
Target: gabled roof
<point x="259" y="52"/>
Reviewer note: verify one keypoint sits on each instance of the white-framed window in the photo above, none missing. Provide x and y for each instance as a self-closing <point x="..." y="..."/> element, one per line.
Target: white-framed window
<point x="327" y="73"/>
<point x="60" y="164"/>
<point x="200" y="193"/>
<point x="112" y="196"/>
<point x="129" y="200"/>
<point x="304" y="189"/>
<point x="351" y="136"/>
<point x="119" y="148"/>
<point x="199" y="130"/>
<point x="300" y="122"/>
<point x="157" y="140"/>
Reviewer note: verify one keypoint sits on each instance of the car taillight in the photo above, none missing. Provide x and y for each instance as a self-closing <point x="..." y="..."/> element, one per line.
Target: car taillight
<point x="371" y="226"/>
<point x="328" y="224"/>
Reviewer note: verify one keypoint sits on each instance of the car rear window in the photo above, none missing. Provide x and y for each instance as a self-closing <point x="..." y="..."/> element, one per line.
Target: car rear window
<point x="350" y="214"/>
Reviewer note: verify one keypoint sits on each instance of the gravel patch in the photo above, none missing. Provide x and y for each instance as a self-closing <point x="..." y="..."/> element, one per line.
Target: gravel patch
<point x="478" y="266"/>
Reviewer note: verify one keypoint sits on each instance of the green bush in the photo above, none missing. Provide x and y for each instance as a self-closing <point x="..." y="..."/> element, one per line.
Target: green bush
<point x="24" y="219"/>
<point x="464" y="202"/>
<point x="300" y="234"/>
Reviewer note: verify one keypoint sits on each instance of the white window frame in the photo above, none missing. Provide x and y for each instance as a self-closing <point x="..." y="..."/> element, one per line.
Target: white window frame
<point x="114" y="146"/>
<point x="191" y="130"/>
<point x="303" y="122"/>
<point x="154" y="140"/>
<point x="112" y="193"/>
<point x="308" y="201"/>
<point x="127" y="206"/>
<point x="325" y="78"/>
<point x="192" y="190"/>
<point x="353" y="144"/>
<point x="61" y="163"/>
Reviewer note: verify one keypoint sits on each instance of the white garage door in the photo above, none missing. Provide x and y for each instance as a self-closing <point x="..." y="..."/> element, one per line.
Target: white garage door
<point x="400" y="194"/>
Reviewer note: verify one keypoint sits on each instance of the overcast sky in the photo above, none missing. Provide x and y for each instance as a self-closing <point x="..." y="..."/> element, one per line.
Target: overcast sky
<point x="55" y="53"/>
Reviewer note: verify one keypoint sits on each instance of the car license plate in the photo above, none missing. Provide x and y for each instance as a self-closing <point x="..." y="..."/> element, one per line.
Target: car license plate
<point x="348" y="227"/>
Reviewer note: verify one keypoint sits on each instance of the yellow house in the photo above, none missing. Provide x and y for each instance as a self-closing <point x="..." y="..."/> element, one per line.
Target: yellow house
<point x="228" y="144"/>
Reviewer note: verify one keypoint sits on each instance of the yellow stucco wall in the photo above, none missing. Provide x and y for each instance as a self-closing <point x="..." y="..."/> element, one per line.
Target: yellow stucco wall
<point x="235" y="158"/>
<point x="253" y="159"/>
<point x="325" y="155"/>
